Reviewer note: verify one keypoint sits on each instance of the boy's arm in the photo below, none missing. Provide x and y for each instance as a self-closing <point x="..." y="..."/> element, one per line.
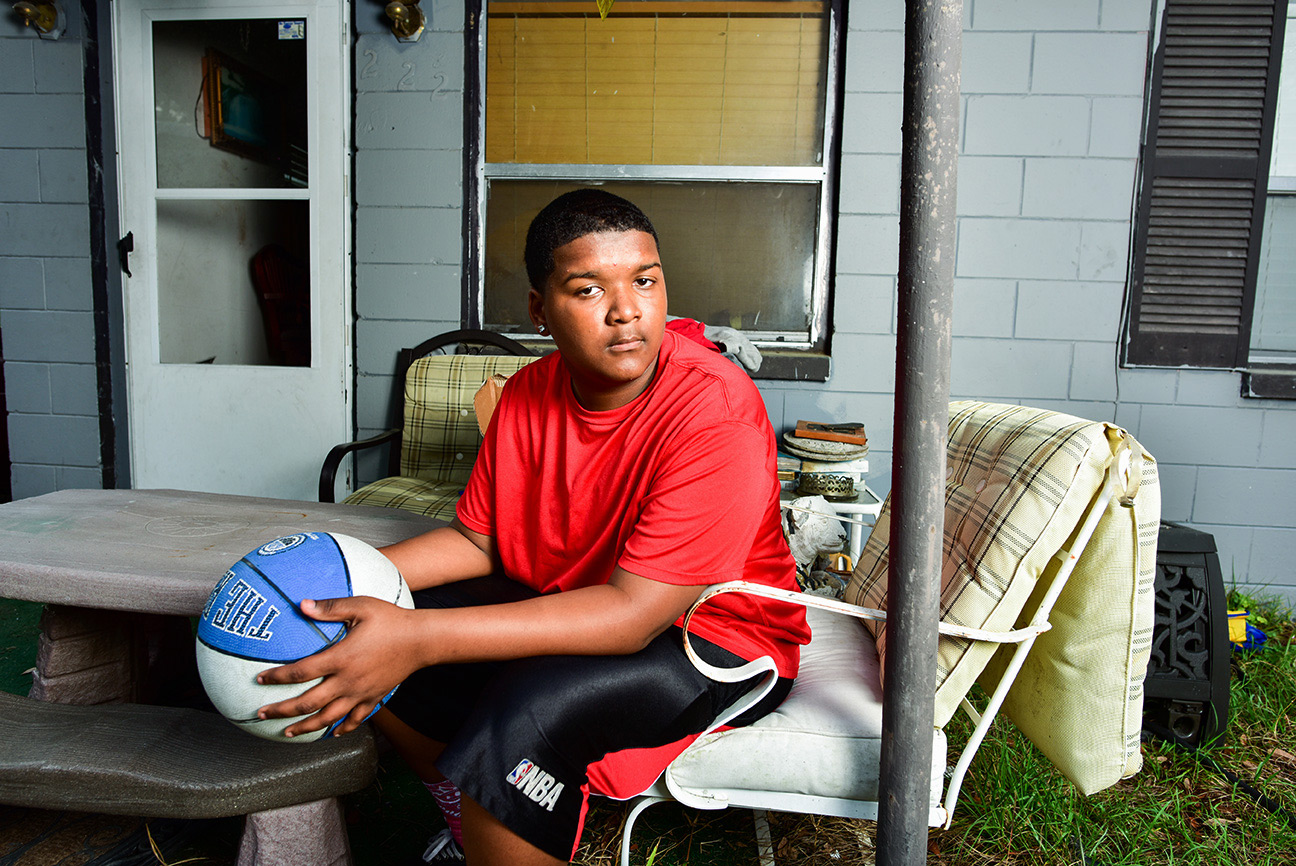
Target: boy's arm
<point x="384" y="644"/>
<point x="445" y="555"/>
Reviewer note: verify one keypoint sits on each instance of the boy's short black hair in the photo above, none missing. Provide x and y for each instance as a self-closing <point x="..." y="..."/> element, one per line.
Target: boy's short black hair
<point x="573" y="215"/>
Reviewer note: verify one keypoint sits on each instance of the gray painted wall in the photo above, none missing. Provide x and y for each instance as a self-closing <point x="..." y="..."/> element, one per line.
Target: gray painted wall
<point x="46" y="318"/>
<point x="1053" y="100"/>
<point x="409" y="197"/>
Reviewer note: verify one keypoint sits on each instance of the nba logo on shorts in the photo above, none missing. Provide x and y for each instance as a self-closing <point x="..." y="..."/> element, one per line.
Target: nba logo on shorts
<point x="524" y="766"/>
<point x="541" y="787"/>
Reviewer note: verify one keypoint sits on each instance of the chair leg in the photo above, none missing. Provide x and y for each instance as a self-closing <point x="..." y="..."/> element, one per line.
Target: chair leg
<point x="638" y="805"/>
<point x="764" y="843"/>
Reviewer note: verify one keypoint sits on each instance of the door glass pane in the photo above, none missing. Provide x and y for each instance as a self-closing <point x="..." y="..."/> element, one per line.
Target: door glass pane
<point x="230" y="103"/>
<point x="233" y="282"/>
<point x="734" y="253"/>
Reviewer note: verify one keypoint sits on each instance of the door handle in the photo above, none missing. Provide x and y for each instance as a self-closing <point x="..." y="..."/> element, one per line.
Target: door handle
<point x="125" y="247"/>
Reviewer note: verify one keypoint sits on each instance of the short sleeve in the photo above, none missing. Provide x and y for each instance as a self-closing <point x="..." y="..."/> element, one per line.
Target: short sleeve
<point x="476" y="508"/>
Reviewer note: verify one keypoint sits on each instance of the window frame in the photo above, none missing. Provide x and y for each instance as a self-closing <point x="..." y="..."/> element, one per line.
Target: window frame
<point x="478" y="175"/>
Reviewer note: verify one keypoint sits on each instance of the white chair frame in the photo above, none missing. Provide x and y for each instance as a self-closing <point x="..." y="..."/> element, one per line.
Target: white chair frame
<point x="1116" y="484"/>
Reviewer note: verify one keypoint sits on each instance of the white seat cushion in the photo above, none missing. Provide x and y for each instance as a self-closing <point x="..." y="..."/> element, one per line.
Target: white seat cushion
<point x="824" y="740"/>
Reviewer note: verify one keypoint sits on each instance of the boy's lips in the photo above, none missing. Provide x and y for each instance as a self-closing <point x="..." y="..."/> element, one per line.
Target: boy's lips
<point x="626" y="344"/>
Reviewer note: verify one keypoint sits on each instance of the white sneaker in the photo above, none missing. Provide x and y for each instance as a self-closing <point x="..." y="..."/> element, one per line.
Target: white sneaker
<point x="442" y="848"/>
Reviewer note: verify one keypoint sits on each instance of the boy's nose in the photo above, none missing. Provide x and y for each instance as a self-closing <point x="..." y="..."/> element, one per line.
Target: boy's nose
<point x="624" y="306"/>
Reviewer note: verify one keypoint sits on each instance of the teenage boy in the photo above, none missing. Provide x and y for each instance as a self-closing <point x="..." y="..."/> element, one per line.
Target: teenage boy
<point x="618" y="477"/>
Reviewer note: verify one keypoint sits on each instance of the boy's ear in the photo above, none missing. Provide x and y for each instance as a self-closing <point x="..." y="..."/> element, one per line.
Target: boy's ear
<point x="535" y="308"/>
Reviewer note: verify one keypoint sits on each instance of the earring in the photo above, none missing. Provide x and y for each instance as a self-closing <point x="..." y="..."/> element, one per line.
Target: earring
<point x="544" y="332"/>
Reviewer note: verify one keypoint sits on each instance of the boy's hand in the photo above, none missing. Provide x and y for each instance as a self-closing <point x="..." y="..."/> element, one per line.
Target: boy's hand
<point x="374" y="656"/>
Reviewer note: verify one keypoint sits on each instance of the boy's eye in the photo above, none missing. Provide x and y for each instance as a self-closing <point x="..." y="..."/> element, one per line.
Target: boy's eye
<point x="644" y="282"/>
<point x="586" y="291"/>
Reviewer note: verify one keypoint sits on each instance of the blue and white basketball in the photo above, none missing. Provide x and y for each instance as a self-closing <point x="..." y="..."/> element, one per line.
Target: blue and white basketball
<point x="253" y="621"/>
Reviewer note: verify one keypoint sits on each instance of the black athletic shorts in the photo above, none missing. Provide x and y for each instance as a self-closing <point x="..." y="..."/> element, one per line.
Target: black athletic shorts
<point x="520" y="735"/>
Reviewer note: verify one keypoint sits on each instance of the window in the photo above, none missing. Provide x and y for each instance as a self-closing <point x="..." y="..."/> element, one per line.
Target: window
<point x="1273" y="328"/>
<point x="1202" y="291"/>
<point x="717" y="117"/>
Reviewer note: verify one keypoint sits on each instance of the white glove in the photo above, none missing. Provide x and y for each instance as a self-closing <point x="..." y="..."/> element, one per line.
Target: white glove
<point x="735" y="345"/>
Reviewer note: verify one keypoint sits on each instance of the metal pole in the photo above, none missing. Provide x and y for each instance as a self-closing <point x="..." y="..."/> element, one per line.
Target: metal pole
<point x="928" y="178"/>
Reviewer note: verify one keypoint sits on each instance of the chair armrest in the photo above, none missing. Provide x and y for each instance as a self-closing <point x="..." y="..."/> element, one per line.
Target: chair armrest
<point x="328" y="472"/>
<point x="831" y="604"/>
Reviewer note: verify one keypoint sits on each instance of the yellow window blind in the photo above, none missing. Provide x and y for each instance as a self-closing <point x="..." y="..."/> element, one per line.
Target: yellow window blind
<point x="656" y="83"/>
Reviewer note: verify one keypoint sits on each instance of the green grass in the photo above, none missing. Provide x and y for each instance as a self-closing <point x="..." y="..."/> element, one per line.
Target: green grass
<point x="19" y="621"/>
<point x="1016" y="809"/>
<point x="1181" y="809"/>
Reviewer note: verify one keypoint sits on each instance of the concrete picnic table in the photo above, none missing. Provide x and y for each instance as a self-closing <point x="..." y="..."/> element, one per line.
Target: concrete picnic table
<point x="120" y="572"/>
<point x="85" y="553"/>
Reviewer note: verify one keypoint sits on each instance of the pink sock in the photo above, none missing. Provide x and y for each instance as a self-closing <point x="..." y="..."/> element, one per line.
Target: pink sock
<point x="447" y="797"/>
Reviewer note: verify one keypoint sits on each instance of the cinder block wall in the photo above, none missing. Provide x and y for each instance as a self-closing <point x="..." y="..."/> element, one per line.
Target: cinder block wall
<point x="1052" y="105"/>
<point x="1052" y="101"/>
<point x="1052" y="109"/>
<point x="409" y="133"/>
<point x="46" y="319"/>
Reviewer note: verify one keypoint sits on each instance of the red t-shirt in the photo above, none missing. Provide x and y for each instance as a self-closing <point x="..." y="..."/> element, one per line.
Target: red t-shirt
<point x="679" y="485"/>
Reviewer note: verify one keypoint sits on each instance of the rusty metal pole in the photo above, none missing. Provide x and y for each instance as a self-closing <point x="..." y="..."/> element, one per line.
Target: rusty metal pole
<point x="928" y="178"/>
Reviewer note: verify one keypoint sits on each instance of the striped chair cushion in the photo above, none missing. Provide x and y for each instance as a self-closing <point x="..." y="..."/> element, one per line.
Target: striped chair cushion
<point x="441" y="438"/>
<point x="1017" y="484"/>
<point x="433" y="498"/>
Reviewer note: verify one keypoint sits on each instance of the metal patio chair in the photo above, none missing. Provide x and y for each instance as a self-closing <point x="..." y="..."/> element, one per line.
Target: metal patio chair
<point x="435" y="440"/>
<point x="1046" y="601"/>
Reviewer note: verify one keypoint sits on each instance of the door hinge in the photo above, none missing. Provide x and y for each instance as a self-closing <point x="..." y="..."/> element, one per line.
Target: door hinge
<point x="125" y="247"/>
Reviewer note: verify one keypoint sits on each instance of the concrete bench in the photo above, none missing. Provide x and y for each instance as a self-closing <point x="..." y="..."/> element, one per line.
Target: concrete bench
<point x="165" y="762"/>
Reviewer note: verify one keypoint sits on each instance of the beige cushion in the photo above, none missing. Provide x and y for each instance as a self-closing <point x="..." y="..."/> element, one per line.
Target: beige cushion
<point x="1018" y="481"/>
<point x="1079" y="697"/>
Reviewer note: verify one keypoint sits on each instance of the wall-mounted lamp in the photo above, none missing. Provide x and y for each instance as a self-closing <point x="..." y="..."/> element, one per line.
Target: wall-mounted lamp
<point x="407" y="20"/>
<point x="47" y="18"/>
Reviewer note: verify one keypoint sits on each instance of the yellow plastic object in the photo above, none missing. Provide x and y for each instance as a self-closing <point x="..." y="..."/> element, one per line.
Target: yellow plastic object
<point x="1237" y="626"/>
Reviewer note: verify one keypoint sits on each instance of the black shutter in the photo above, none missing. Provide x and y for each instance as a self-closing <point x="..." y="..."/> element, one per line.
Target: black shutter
<point x="1205" y="169"/>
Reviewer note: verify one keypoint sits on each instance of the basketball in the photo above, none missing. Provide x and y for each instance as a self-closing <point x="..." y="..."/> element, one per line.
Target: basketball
<point x="253" y="621"/>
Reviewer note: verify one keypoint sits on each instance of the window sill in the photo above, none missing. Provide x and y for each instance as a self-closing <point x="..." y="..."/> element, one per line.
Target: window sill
<point x="793" y="365"/>
<point x="786" y="365"/>
<point x="1270" y="381"/>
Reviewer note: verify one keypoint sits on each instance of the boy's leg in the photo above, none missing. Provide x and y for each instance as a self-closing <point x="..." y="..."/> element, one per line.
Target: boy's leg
<point x="524" y="752"/>
<point x="430" y="705"/>
<point x="487" y="842"/>
<point x="418" y="751"/>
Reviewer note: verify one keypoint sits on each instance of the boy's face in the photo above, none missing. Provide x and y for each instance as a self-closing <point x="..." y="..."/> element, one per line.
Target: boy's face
<point x="605" y="305"/>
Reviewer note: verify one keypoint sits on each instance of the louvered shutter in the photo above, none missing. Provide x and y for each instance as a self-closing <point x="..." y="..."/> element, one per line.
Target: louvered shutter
<point x="1205" y="169"/>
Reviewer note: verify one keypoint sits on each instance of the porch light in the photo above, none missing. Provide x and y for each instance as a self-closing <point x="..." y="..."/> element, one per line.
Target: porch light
<point x="47" y="18"/>
<point x="407" y="20"/>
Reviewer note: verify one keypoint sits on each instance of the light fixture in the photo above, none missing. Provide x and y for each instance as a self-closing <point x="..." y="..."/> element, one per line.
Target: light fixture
<point x="407" y="20"/>
<point x="47" y="18"/>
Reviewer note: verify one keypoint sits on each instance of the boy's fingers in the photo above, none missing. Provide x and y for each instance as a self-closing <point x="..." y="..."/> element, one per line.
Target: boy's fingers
<point x="306" y="703"/>
<point x="328" y="609"/>
<point x="331" y="713"/>
<point x="354" y="719"/>
<point x="303" y="671"/>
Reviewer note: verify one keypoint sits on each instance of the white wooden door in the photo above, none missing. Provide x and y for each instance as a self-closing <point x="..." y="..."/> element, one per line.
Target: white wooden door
<point x="233" y="133"/>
